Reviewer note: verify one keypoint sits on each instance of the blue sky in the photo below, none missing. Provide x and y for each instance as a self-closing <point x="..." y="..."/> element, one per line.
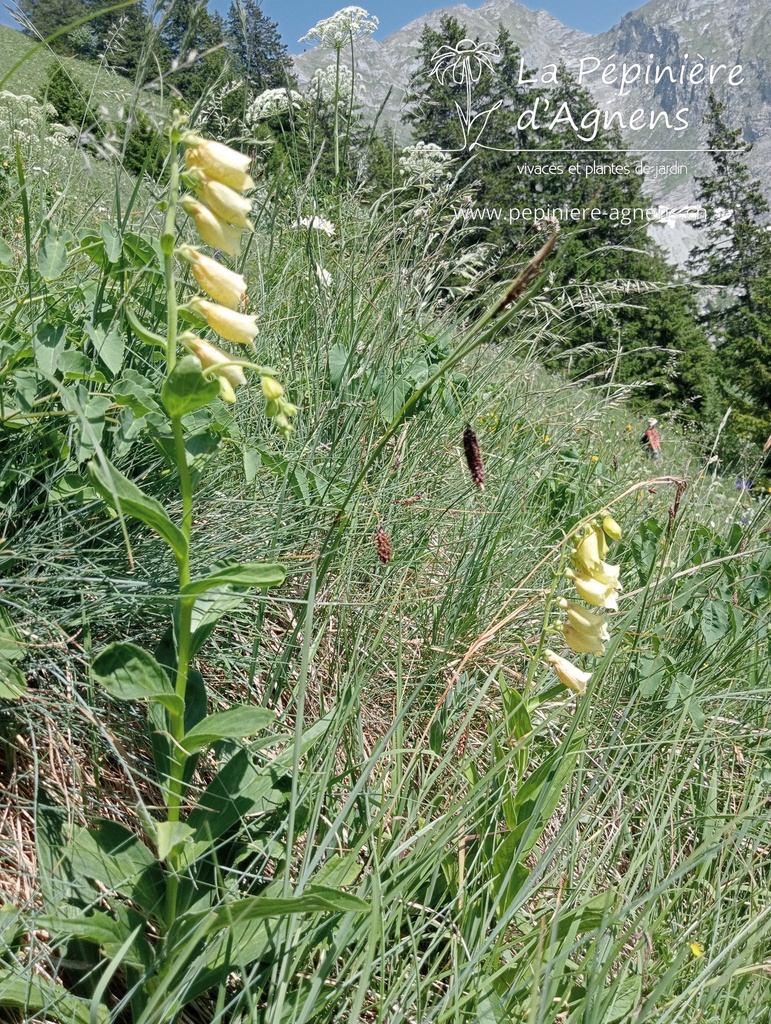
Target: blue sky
<point x="295" y="17"/>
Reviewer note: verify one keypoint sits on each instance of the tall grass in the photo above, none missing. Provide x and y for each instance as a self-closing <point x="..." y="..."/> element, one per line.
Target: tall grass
<point x="524" y="855"/>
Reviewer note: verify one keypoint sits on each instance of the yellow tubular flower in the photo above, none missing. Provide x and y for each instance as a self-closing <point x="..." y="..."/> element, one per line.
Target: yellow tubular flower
<point x="225" y="202"/>
<point x="212" y="230"/>
<point x="214" y="359"/>
<point x="223" y="285"/>
<point x="227" y="394"/>
<point x="589" y="549"/>
<point x="591" y="590"/>
<point x="219" y="162"/>
<point x="585" y="620"/>
<point x="573" y="677"/>
<point x="230" y="325"/>
<point x="582" y="641"/>
<point x="607" y="574"/>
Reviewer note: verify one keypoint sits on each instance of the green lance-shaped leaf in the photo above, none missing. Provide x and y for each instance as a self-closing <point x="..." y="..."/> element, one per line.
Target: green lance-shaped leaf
<point x="13" y="684"/>
<point x="233" y="724"/>
<point x="129" y="673"/>
<point x="125" y="497"/>
<point x="187" y="389"/>
<point x="253" y="908"/>
<point x="35" y="995"/>
<point x="252" y="574"/>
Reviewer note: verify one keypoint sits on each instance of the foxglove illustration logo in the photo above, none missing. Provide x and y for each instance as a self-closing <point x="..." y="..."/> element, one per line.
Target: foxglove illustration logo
<point x="464" y="64"/>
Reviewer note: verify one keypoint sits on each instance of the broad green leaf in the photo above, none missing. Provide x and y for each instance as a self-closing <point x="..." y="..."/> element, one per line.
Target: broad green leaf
<point x="233" y="724"/>
<point x="96" y="927"/>
<point x="252" y="574"/>
<point x="52" y="256"/>
<point x="240" y="789"/>
<point x="137" y="392"/>
<point x="33" y="994"/>
<point x="125" y="497"/>
<point x="13" y="684"/>
<point x="129" y="673"/>
<point x="537" y="799"/>
<point x="338" y="358"/>
<point x="6" y="253"/>
<point x="715" y="620"/>
<point x="187" y="389"/>
<point x="113" y="856"/>
<point x="171" y="837"/>
<point x="12" y="643"/>
<point x="112" y="240"/>
<point x="108" y="345"/>
<point x="74" y="365"/>
<point x="49" y="344"/>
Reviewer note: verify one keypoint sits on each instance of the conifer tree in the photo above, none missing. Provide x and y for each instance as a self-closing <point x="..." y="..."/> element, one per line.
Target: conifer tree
<point x="260" y="56"/>
<point x="736" y="258"/>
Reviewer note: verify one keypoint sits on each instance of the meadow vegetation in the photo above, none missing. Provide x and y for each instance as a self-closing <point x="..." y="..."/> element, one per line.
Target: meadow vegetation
<point x="282" y="738"/>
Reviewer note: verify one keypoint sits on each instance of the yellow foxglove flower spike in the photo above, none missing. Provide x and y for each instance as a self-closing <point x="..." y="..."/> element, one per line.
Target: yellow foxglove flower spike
<point x="240" y="328"/>
<point x="219" y="162"/>
<point x="586" y="553"/>
<point x="573" y="677"/>
<point x="225" y="203"/>
<point x="221" y="284"/>
<point x="213" y="231"/>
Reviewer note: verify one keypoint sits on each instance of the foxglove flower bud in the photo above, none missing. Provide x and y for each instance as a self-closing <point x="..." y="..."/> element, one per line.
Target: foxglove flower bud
<point x="611" y="528"/>
<point x="223" y="285"/>
<point x="239" y="328"/>
<point x="271" y="388"/>
<point x="213" y="231"/>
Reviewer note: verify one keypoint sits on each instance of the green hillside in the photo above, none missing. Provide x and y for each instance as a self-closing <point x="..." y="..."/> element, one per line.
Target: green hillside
<point x="353" y="667"/>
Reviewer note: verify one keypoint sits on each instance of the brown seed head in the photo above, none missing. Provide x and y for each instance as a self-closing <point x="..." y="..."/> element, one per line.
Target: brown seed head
<point x="473" y="457"/>
<point x="383" y="544"/>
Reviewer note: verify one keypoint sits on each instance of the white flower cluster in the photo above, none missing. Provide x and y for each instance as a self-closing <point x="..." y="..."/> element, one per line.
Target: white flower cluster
<point x="424" y="162"/>
<point x="348" y="24"/>
<point x="26" y="122"/>
<point x="316" y="224"/>
<point x="273" y="101"/>
<point x="325" y="81"/>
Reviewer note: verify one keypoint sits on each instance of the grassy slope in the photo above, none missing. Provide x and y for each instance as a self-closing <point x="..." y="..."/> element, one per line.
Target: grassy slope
<point x="661" y="836"/>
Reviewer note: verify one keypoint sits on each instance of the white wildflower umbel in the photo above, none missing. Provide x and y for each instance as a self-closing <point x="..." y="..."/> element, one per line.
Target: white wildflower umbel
<point x="425" y="162"/>
<point x="332" y="84"/>
<point x="272" y="102"/>
<point x="348" y="24"/>
<point x="316" y="224"/>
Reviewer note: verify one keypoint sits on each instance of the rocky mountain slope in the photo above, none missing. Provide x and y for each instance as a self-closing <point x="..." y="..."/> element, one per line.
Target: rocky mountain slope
<point x="693" y="38"/>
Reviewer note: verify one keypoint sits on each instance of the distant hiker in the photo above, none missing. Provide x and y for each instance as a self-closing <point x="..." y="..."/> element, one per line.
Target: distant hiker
<point x="652" y="440"/>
